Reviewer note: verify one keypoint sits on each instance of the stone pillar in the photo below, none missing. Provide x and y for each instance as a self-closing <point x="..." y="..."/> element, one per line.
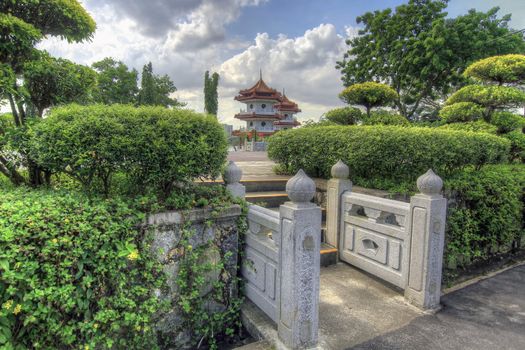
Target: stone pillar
<point x="428" y="217"/>
<point x="232" y="176"/>
<point x="300" y="222"/>
<point x="336" y="186"/>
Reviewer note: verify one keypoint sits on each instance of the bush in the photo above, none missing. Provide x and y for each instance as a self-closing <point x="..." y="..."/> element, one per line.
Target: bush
<point x="344" y="115"/>
<point x="507" y="121"/>
<point x="501" y="69"/>
<point x="153" y="147"/>
<point x="475" y="230"/>
<point x="74" y="273"/>
<point x="385" y="118"/>
<point x="489" y="96"/>
<point x="517" y="148"/>
<point x="384" y="151"/>
<point x="476" y="126"/>
<point x="461" y="112"/>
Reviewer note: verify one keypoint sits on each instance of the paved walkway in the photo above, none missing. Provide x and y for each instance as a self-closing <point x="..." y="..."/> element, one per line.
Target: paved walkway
<point x="360" y="312"/>
<point x="255" y="165"/>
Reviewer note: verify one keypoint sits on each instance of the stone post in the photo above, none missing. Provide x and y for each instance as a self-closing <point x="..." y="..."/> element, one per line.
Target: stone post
<point x="336" y="186"/>
<point x="232" y="176"/>
<point x="428" y="217"/>
<point x="300" y="222"/>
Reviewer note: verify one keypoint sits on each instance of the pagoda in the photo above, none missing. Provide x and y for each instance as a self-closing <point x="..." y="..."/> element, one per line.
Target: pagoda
<point x="267" y="110"/>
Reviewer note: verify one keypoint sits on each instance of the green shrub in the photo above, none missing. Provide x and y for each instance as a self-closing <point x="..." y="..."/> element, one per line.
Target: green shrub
<point x="517" y="148"/>
<point x="461" y="112"/>
<point x="382" y="117"/>
<point x="384" y="151"/>
<point x="507" y="121"/>
<point x="74" y="273"/>
<point x="489" y="96"/>
<point x="476" y="126"/>
<point x="486" y="217"/>
<point x="344" y="115"/>
<point x="153" y="147"/>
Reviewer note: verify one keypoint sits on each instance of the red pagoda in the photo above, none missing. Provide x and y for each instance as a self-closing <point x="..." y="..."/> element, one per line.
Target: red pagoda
<point x="267" y="110"/>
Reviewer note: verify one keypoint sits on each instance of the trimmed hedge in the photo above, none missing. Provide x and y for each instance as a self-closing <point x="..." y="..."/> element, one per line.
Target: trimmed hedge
<point x="486" y="214"/>
<point x="153" y="147"/>
<point x="75" y="273"/>
<point x="386" y="152"/>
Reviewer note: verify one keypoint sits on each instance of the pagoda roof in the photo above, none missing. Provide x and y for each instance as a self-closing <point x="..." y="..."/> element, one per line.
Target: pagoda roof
<point x="259" y="91"/>
<point x="255" y="116"/>
<point x="287" y="105"/>
<point x="286" y="122"/>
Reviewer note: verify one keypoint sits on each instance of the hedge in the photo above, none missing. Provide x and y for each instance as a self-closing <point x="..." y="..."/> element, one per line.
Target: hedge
<point x="486" y="214"/>
<point x="386" y="152"/>
<point x="74" y="273"/>
<point x="153" y="147"/>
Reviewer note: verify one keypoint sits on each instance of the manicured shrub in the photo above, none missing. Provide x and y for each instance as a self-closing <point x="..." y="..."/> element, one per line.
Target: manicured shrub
<point x="476" y="126"/>
<point x="384" y="151"/>
<point x="486" y="213"/>
<point x="500" y="69"/>
<point x="75" y="273"/>
<point x="382" y="117"/>
<point x="153" y="147"/>
<point x="461" y="112"/>
<point x="517" y="148"/>
<point x="507" y="121"/>
<point x="344" y="115"/>
<point x="492" y="96"/>
<point x="369" y="94"/>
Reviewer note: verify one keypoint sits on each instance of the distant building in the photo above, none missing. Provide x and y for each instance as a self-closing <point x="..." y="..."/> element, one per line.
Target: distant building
<point x="267" y="110"/>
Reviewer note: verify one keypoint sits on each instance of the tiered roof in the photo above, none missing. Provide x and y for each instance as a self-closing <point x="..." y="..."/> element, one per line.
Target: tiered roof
<point x="286" y="105"/>
<point x="259" y="91"/>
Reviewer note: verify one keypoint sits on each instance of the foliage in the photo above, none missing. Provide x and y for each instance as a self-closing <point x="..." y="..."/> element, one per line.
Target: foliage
<point x="475" y="126"/>
<point x="75" y="273"/>
<point x="344" y="115"/>
<point x="475" y="230"/>
<point x="18" y="39"/>
<point x="489" y="96"/>
<point x="421" y="53"/>
<point x="211" y="98"/>
<point x="389" y="152"/>
<point x="116" y="83"/>
<point x="517" y="148"/>
<point x="507" y="121"/>
<point x="52" y="81"/>
<point x="152" y="147"/>
<point x="155" y="90"/>
<point x="461" y="112"/>
<point x="500" y="69"/>
<point x="382" y="117"/>
<point x="369" y="94"/>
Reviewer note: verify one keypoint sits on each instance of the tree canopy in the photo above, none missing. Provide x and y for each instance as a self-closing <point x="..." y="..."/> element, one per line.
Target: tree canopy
<point x="211" y="97"/>
<point x="369" y="95"/>
<point x="344" y="115"/>
<point x="156" y="90"/>
<point x="421" y="53"/>
<point x="506" y="69"/>
<point x="116" y="83"/>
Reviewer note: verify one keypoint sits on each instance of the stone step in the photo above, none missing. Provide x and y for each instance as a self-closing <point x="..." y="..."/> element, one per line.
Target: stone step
<point x="268" y="199"/>
<point x="328" y="255"/>
<point x="258" y="345"/>
<point x="257" y="185"/>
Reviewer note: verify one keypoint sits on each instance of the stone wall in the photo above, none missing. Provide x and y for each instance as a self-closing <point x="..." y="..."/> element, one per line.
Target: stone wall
<point x="219" y="232"/>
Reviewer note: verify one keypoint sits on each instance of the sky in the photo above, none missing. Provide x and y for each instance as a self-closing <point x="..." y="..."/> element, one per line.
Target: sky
<point x="295" y="43"/>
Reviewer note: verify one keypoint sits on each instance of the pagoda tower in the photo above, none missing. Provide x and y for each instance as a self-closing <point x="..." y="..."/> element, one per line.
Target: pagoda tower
<point x="267" y="110"/>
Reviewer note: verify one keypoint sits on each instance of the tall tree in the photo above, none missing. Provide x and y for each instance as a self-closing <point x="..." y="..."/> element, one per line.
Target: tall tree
<point x="156" y="90"/>
<point x="211" y="97"/>
<point x="23" y="23"/>
<point x="116" y="83"/>
<point x="368" y="95"/>
<point x="421" y="53"/>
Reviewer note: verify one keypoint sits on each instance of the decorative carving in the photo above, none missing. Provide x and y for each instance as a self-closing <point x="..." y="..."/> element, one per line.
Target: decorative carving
<point x="373" y="214"/>
<point x="300" y="188"/>
<point x="429" y="183"/>
<point x="340" y="170"/>
<point x="370" y="245"/>
<point x="232" y="173"/>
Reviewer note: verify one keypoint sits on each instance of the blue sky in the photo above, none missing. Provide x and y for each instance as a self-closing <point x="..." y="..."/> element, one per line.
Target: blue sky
<point x="295" y="42"/>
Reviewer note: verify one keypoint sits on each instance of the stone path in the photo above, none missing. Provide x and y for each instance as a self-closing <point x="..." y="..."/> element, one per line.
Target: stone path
<point x="255" y="165"/>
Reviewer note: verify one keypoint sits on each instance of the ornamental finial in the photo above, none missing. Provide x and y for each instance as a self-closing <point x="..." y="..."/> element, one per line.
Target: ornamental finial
<point x="429" y="183"/>
<point x="260" y="73"/>
<point x="232" y="173"/>
<point x="340" y="170"/>
<point x="300" y="188"/>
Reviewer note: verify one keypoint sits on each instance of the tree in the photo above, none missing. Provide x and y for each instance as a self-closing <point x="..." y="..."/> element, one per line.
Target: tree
<point x="421" y="53"/>
<point x="156" y="90"/>
<point x="51" y="81"/>
<point x="116" y="83"/>
<point x="23" y="23"/>
<point x="369" y="95"/>
<point x="344" y="115"/>
<point x="211" y="97"/>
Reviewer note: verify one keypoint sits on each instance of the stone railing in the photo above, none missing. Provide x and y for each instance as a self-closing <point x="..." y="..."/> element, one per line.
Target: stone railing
<point x="399" y="242"/>
<point x="281" y="260"/>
